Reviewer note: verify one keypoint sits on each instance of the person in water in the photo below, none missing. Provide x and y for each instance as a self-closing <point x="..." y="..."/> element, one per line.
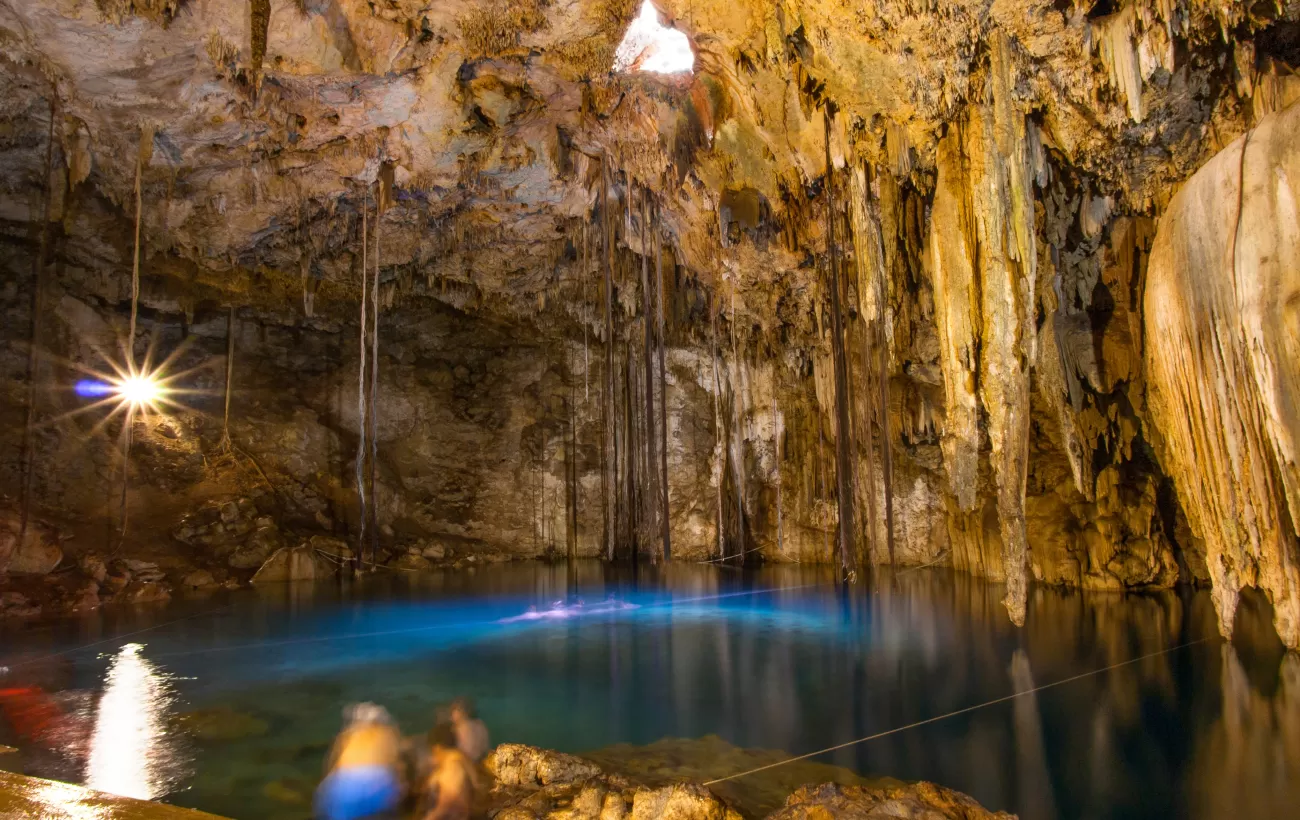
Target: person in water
<point x="449" y="789"/>
<point x="362" y="773"/>
<point x="471" y="733"/>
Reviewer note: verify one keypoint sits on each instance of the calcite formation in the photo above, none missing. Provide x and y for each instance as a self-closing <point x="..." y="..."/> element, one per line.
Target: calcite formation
<point x="1065" y="358"/>
<point x="1223" y="364"/>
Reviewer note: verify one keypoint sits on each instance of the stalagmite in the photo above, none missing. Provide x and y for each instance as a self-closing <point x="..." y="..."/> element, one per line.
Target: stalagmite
<point x="843" y="429"/>
<point x="1223" y="365"/>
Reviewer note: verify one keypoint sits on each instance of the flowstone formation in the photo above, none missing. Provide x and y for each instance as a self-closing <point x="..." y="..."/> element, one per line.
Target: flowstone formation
<point x="863" y="283"/>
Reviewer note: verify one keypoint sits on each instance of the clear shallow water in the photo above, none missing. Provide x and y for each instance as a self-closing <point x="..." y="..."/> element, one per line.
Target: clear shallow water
<point x="778" y="658"/>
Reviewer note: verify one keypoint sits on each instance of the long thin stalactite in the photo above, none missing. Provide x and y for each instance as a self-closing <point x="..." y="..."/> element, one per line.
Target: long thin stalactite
<point x="843" y="434"/>
<point x="663" y="393"/>
<point x="361" y="381"/>
<point x="652" y="501"/>
<point x="34" y="335"/>
<point x="609" y="441"/>
<point x="380" y="201"/>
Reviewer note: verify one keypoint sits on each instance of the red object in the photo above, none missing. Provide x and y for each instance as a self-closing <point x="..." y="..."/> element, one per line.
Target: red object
<point x="32" y="714"/>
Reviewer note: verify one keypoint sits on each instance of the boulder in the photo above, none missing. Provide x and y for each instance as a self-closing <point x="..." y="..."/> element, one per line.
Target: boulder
<point x="17" y="605"/>
<point x="514" y="764"/>
<point x="681" y="801"/>
<point x="411" y="562"/>
<point x="199" y="578"/>
<point x="145" y="572"/>
<point x="150" y="592"/>
<point x="264" y="541"/>
<point x="93" y="567"/>
<point x="330" y="546"/>
<point x="294" y="564"/>
<point x="38" y="555"/>
<point x="85" y="598"/>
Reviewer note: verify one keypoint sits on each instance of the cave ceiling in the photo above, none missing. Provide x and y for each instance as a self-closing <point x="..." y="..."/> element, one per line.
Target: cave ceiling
<point x="487" y="124"/>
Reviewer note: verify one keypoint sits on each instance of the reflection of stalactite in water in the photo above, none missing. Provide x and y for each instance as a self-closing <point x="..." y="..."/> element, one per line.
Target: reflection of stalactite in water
<point x="1033" y="778"/>
<point x="1246" y="764"/>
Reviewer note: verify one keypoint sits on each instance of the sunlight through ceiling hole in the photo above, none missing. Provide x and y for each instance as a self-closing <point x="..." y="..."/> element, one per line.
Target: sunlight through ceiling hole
<point x="652" y="47"/>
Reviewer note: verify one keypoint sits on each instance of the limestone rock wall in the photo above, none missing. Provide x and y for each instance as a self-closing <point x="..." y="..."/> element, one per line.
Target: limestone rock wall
<point x="993" y="173"/>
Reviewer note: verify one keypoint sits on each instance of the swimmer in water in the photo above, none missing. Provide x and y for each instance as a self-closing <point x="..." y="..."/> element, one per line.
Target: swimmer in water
<point x="471" y="733"/>
<point x="362" y="777"/>
<point x="449" y="789"/>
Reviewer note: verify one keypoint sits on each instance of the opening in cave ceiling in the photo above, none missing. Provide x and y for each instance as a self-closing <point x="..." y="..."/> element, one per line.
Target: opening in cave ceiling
<point x="652" y="47"/>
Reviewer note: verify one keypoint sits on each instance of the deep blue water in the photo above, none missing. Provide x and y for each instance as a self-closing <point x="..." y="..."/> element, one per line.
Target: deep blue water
<point x="778" y="658"/>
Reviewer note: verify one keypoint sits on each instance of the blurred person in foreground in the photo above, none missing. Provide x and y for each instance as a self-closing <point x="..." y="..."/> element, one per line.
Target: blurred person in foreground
<point x="363" y="772"/>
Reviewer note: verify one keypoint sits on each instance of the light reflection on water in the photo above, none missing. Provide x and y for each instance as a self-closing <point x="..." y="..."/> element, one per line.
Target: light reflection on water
<point x="777" y="659"/>
<point x="130" y="752"/>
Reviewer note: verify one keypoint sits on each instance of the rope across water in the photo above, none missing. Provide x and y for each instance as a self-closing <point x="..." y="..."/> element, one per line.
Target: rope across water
<point x="954" y="713"/>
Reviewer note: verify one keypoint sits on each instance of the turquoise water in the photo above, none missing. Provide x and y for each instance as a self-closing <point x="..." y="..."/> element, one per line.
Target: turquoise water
<point x="229" y="703"/>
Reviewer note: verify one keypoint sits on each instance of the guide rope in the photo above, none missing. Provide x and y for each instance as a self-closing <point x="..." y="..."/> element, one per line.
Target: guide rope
<point x="955" y="712"/>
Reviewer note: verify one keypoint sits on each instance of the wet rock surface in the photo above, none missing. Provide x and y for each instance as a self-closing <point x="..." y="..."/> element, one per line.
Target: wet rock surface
<point x="923" y="801"/>
<point x="532" y="784"/>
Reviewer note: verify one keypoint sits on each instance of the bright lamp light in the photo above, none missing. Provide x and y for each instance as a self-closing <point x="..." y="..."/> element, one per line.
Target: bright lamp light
<point x="140" y="390"/>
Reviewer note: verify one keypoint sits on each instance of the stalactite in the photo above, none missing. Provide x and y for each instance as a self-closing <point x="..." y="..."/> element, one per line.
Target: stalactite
<point x="225" y="444"/>
<point x="737" y="436"/>
<point x="571" y="473"/>
<point x="651" y="485"/>
<point x="361" y="382"/>
<point x="663" y="393"/>
<point x="719" y="454"/>
<point x="886" y="447"/>
<point x="872" y="273"/>
<point x="586" y="354"/>
<point x="776" y="449"/>
<point x="143" y="156"/>
<point x="609" y="441"/>
<point x="34" y="337"/>
<point x="843" y="435"/>
<point x="983" y="260"/>
<point x="259" y="21"/>
<point x="951" y="258"/>
<point x="1004" y="210"/>
<point x="382" y="201"/>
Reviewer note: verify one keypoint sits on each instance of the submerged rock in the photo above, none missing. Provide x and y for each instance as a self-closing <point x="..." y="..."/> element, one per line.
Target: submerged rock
<point x="221" y="723"/>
